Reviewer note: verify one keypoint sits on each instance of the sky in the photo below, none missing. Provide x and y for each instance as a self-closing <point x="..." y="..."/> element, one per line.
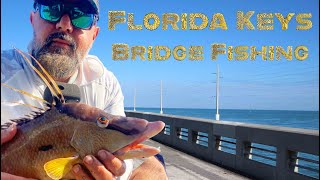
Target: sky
<point x="260" y="84"/>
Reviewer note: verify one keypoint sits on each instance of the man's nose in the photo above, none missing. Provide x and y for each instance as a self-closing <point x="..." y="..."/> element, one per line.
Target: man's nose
<point x="65" y="24"/>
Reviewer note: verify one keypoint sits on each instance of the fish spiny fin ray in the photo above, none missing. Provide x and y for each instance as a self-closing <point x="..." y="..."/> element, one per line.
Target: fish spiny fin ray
<point x="21" y="121"/>
<point x="37" y="71"/>
<point x="58" y="168"/>
<point x="24" y="120"/>
<point x="27" y="118"/>
<point x="18" y="122"/>
<point x="51" y="80"/>
<point x="26" y="93"/>
<point x="6" y="125"/>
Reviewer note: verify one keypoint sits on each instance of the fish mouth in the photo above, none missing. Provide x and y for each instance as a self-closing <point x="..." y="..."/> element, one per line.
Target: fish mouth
<point x="141" y="130"/>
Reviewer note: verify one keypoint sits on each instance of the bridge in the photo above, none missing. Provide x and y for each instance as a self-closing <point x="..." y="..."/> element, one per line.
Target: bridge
<point x="196" y="148"/>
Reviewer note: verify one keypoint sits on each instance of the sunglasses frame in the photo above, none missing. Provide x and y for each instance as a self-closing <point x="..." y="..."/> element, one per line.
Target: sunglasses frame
<point x="37" y="6"/>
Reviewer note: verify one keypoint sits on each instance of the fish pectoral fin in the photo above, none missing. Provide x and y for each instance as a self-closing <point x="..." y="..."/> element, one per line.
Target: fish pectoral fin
<point x="137" y="151"/>
<point x="58" y="168"/>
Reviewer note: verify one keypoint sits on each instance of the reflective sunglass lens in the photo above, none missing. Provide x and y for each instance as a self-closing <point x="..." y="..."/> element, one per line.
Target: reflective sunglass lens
<point x="82" y="22"/>
<point x="78" y="18"/>
<point x="51" y="13"/>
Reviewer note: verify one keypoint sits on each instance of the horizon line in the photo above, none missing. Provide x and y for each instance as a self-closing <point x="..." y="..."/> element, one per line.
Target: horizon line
<point x="223" y="109"/>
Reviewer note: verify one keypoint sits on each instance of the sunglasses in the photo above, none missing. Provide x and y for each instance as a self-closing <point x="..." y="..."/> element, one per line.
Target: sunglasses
<point x="79" y="18"/>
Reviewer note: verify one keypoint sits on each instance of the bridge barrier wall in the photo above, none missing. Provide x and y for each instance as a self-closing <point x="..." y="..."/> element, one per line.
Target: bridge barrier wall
<point x="258" y="151"/>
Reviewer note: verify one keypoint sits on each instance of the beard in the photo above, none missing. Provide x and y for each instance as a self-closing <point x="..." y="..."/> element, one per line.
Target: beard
<point x="59" y="62"/>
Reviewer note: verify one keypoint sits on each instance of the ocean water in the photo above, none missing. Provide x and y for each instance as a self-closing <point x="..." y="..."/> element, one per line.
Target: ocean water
<point x="293" y="119"/>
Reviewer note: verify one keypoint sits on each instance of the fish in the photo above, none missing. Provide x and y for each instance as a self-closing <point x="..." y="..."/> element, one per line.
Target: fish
<point x="48" y="144"/>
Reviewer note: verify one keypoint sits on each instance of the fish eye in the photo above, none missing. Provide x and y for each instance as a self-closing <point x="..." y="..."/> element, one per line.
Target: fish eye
<point x="102" y="122"/>
<point x="102" y="119"/>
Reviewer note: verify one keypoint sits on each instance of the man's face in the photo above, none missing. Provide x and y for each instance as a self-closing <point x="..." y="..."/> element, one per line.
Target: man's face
<point x="60" y="46"/>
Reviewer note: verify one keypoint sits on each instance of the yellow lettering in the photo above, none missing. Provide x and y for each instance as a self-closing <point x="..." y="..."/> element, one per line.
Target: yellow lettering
<point x="254" y="52"/>
<point x="284" y="21"/>
<point x="215" y="51"/>
<point x="241" y="50"/>
<point x="120" y="51"/>
<point x="192" y="20"/>
<point x="304" y="53"/>
<point x="265" y="21"/>
<point x="222" y="22"/>
<point x="131" y="25"/>
<point x="244" y="20"/>
<point x="306" y="22"/>
<point x="138" y="50"/>
<point x="182" y="53"/>
<point x="196" y="53"/>
<point x="170" y="18"/>
<point x="147" y="24"/>
<point x="165" y="56"/>
<point x="113" y="19"/>
<point x="280" y="50"/>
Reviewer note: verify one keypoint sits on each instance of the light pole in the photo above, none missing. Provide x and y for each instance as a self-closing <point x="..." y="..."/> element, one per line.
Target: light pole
<point x="217" y="95"/>
<point x="134" y="99"/>
<point x="161" y="112"/>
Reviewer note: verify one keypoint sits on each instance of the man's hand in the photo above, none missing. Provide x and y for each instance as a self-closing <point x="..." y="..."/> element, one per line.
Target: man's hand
<point x="6" y="176"/>
<point x="7" y="135"/>
<point x="107" y="166"/>
<point x="150" y="169"/>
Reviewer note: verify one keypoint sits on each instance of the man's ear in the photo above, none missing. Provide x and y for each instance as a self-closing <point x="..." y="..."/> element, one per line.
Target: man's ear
<point x="32" y="14"/>
<point x="96" y="32"/>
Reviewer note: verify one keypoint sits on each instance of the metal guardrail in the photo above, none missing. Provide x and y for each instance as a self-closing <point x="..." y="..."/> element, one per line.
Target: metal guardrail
<point x="258" y="151"/>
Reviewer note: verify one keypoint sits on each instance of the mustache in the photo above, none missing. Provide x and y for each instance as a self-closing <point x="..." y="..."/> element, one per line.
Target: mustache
<point x="37" y="51"/>
<point x="62" y="36"/>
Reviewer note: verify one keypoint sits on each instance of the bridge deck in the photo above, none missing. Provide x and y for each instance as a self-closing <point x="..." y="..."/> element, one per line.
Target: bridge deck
<point x="185" y="167"/>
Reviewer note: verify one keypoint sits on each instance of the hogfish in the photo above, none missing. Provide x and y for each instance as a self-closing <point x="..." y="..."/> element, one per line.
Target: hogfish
<point x="48" y="144"/>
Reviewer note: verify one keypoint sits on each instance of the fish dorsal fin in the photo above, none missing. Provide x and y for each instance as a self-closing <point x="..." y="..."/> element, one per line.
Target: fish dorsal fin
<point x="6" y="125"/>
<point x="23" y="120"/>
<point x="33" y="115"/>
<point x="58" y="168"/>
<point x="18" y="122"/>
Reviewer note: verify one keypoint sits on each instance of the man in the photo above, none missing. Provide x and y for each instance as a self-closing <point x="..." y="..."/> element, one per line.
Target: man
<point x="64" y="32"/>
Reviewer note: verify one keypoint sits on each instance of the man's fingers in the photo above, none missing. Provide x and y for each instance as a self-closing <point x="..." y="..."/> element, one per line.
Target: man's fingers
<point x="96" y="168"/>
<point x="80" y="173"/>
<point x="8" y="134"/>
<point x="113" y="164"/>
<point x="107" y="167"/>
<point x="6" y="176"/>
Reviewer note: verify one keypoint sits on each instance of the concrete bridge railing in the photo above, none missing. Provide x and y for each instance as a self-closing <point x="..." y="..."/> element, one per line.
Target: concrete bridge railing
<point x="258" y="151"/>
